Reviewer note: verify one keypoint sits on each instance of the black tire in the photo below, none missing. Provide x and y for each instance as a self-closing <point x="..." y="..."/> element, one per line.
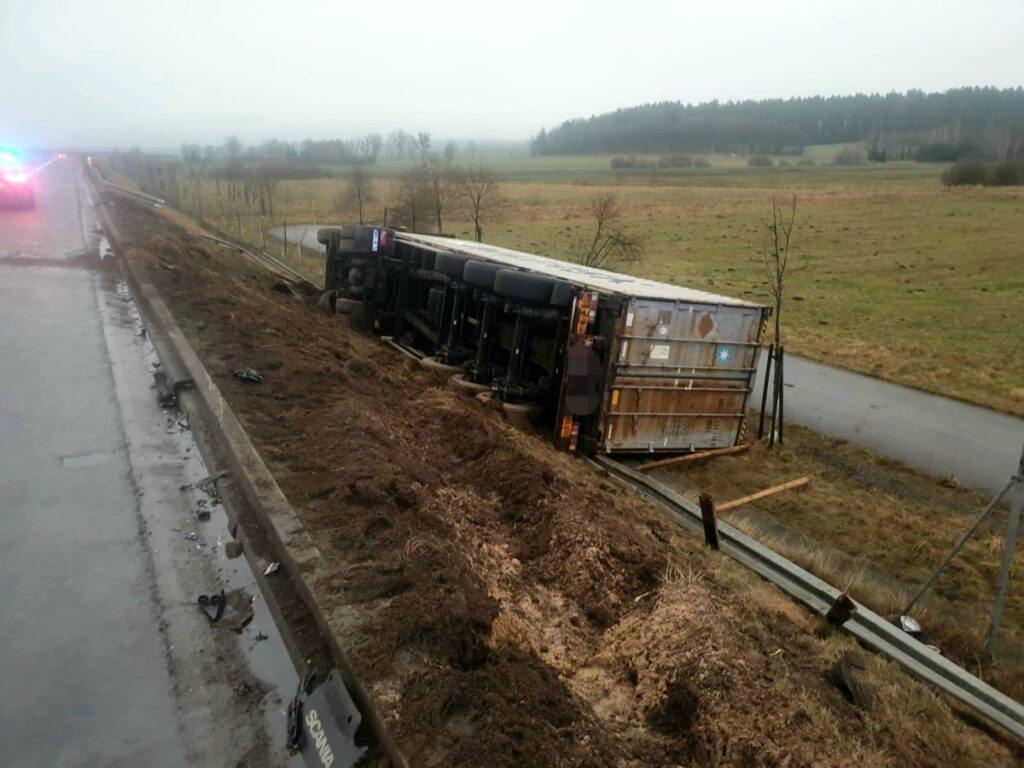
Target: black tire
<point x="480" y="274"/>
<point x="523" y="286"/>
<point x="522" y="415"/>
<point x="450" y="264"/>
<point x="327" y="301"/>
<point x="460" y="383"/>
<point x="433" y="364"/>
<point x="562" y="294"/>
<point x="345" y="306"/>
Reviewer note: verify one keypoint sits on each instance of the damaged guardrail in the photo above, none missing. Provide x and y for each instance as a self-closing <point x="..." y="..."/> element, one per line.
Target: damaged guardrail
<point x="870" y="629"/>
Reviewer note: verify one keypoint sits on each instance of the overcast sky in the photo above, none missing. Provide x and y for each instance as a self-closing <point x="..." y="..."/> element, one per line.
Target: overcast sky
<point x="127" y="72"/>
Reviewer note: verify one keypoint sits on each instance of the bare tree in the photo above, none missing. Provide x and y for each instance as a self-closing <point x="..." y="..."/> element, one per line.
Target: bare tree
<point x="411" y="197"/>
<point x="422" y="143"/>
<point x="608" y="243"/>
<point x="777" y="269"/>
<point x="775" y="252"/>
<point x="232" y="148"/>
<point x="480" y="186"/>
<point x="438" y="173"/>
<point x="360" y="189"/>
<point x="449" y="151"/>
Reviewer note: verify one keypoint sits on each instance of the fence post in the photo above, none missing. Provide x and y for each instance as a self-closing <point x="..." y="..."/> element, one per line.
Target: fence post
<point x="764" y="393"/>
<point x="708" y="517"/>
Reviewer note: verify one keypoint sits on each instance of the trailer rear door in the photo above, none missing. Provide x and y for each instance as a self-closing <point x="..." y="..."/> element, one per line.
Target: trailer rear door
<point x="680" y="376"/>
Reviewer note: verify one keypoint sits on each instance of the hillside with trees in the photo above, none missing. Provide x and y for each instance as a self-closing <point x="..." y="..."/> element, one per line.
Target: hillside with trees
<point x="961" y="122"/>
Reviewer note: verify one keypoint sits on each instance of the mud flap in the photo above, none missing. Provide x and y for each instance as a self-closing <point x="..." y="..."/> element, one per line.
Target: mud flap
<point x="327" y="723"/>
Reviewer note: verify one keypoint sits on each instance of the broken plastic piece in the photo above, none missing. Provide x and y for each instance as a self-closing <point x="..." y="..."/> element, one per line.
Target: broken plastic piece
<point x="272" y="568"/>
<point x="909" y="625"/>
<point x="250" y="375"/>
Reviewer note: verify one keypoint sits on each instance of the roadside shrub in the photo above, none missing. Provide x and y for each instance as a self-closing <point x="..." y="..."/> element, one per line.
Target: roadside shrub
<point x="969" y="172"/>
<point x="876" y="155"/>
<point x="783" y="163"/>
<point x="966" y="173"/>
<point x="675" y="161"/>
<point x="848" y="156"/>
<point x="806" y="161"/>
<point x="760" y="161"/>
<point x="701" y="162"/>
<point x="622" y="163"/>
<point x="1008" y="173"/>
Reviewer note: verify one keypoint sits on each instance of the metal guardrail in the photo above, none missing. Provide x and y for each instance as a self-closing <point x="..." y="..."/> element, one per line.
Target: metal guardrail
<point x="253" y="253"/>
<point x="870" y="629"/>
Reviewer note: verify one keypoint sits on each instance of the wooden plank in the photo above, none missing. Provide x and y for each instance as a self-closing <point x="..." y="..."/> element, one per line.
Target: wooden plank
<point x="798" y="483"/>
<point x="687" y="457"/>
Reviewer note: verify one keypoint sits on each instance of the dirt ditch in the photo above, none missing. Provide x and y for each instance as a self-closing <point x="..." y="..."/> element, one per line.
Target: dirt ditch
<point x="503" y="603"/>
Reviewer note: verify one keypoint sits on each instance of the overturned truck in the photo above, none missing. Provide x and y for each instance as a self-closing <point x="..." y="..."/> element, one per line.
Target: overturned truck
<point x="607" y="362"/>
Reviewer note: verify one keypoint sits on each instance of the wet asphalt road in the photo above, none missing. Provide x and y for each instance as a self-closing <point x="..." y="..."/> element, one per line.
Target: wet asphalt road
<point x="946" y="437"/>
<point x="104" y="657"/>
<point x="81" y="659"/>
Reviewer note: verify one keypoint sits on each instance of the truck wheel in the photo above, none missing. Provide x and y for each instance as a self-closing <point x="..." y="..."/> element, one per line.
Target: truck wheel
<point x="345" y="306"/>
<point x="450" y="264"/>
<point x="521" y="414"/>
<point x="480" y="274"/>
<point x="523" y="286"/>
<point x="561" y="294"/>
<point x="460" y="383"/>
<point x="327" y="301"/>
<point x="433" y="364"/>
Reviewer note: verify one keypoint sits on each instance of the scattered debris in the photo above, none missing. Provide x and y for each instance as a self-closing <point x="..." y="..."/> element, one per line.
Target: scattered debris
<point x="233" y="549"/>
<point x="168" y="267"/>
<point x="208" y="485"/>
<point x="250" y="375"/>
<point x="800" y="482"/>
<point x="202" y="513"/>
<point x="213" y="606"/>
<point x="283" y="286"/>
<point x="294" y="718"/>
<point x="192" y="536"/>
<point x="846" y="675"/>
<point x="909" y="625"/>
<point x="239" y="611"/>
<point x="272" y="568"/>
<point x="260" y="636"/>
<point x="166" y="395"/>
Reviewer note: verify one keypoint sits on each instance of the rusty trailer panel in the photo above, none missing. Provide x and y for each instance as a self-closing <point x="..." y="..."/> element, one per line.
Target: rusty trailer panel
<point x="680" y="376"/>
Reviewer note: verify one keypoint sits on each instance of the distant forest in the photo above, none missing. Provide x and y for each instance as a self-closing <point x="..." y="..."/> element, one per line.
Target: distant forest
<point x="982" y="122"/>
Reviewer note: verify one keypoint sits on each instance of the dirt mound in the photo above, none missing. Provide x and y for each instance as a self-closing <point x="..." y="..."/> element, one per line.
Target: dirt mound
<point x="503" y="604"/>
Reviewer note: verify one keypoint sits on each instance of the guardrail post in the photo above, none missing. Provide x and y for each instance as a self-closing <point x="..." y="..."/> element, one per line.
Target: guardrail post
<point x="710" y="520"/>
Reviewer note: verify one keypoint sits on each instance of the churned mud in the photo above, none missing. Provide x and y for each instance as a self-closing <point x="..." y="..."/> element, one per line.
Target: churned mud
<point x="502" y="602"/>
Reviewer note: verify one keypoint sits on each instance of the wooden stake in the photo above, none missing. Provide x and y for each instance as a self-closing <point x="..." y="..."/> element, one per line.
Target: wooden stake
<point x="707" y="515"/>
<point x="798" y="483"/>
<point x="688" y="457"/>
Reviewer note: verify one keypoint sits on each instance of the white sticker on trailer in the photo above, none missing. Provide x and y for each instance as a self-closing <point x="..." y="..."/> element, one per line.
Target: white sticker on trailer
<point x="376" y="239"/>
<point x="660" y="351"/>
<point x="629" y="319"/>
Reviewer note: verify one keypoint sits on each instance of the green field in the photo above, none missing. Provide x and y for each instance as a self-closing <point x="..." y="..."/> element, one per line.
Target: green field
<point x="900" y="277"/>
